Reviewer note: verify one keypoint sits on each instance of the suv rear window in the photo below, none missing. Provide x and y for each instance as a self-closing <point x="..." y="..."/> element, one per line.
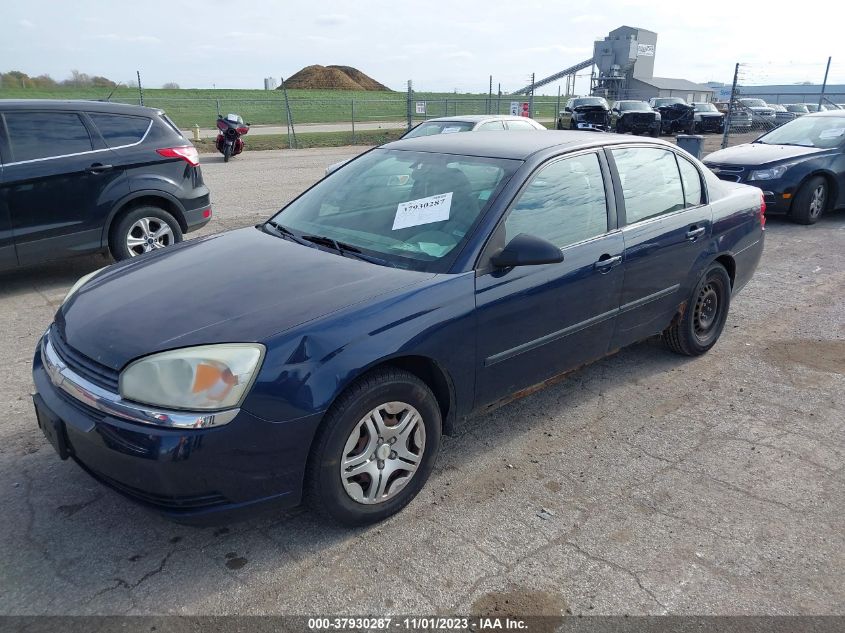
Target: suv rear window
<point x="119" y="129"/>
<point x="34" y="135"/>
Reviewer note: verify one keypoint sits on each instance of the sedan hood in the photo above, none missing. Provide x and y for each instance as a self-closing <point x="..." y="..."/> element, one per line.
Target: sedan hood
<point x="753" y="154"/>
<point x="240" y="286"/>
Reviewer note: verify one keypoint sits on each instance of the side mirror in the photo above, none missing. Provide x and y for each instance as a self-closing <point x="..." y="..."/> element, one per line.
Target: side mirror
<point x="567" y="109"/>
<point x="527" y="250"/>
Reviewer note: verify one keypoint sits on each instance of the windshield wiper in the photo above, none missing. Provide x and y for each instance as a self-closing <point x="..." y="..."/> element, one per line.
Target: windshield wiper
<point x="344" y="249"/>
<point x="285" y="232"/>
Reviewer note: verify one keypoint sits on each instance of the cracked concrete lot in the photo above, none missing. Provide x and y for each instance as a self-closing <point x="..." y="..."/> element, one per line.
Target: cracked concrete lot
<point x="688" y="486"/>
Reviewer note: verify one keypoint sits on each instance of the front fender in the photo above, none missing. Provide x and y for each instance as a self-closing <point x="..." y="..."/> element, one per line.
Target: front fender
<point x="305" y="370"/>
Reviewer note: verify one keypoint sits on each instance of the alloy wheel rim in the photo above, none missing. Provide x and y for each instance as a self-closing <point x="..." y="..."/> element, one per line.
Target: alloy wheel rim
<point x="706" y="311"/>
<point x="148" y="234"/>
<point x="817" y="201"/>
<point x="382" y="453"/>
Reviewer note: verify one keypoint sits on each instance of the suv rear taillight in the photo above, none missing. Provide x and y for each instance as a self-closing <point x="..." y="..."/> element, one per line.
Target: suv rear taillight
<point x="762" y="212"/>
<point x="188" y="153"/>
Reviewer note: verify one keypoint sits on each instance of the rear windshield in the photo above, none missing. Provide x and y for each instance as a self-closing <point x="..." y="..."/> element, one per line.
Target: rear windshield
<point x="705" y="107"/>
<point x="429" y="128"/>
<point x="119" y="129"/>
<point x="754" y="103"/>
<point x="669" y="101"/>
<point x="588" y="101"/>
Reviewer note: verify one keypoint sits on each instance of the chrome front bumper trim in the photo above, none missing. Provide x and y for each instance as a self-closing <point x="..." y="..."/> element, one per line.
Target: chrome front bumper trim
<point x="112" y="404"/>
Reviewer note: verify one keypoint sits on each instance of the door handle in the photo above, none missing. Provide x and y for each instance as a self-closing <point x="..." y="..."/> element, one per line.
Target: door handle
<point x="695" y="232"/>
<point x="606" y="262"/>
<point x="98" y="168"/>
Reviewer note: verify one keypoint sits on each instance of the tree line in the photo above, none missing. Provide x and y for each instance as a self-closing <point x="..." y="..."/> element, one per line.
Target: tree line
<point x="19" y="79"/>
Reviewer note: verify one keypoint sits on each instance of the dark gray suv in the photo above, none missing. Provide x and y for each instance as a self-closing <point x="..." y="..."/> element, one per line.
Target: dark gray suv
<point x="84" y="176"/>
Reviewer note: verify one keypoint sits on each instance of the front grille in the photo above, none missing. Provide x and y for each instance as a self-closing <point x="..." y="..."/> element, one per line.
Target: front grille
<point x="728" y="172"/>
<point x="91" y="370"/>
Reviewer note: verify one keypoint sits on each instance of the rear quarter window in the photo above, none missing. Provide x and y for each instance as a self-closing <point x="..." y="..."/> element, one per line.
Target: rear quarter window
<point x="120" y="129"/>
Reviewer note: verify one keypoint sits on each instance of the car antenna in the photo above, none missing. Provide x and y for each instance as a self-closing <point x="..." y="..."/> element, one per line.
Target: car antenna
<point x="115" y="87"/>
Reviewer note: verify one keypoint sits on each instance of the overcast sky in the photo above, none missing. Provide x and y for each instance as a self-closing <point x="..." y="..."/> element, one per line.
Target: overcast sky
<point x="441" y="46"/>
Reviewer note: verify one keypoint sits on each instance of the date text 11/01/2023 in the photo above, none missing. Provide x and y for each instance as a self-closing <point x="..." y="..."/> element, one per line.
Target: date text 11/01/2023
<point x="418" y="623"/>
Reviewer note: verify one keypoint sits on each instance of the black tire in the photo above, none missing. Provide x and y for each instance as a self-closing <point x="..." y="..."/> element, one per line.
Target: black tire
<point x="810" y="202"/>
<point x="324" y="489"/>
<point x="620" y="129"/>
<point x="654" y="132"/>
<point x="572" y="125"/>
<point x="227" y="153"/>
<point x="127" y="223"/>
<point x="559" y="125"/>
<point x="697" y="329"/>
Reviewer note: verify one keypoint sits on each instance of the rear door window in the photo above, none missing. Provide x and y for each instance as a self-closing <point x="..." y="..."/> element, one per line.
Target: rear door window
<point x="519" y="125"/>
<point x="651" y="184"/>
<point x="693" y="193"/>
<point x="34" y="135"/>
<point x="491" y="126"/>
<point x="119" y="129"/>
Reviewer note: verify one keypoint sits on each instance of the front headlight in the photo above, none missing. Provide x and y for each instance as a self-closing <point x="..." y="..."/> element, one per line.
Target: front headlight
<point x="771" y="173"/>
<point x="82" y="281"/>
<point x="204" y="378"/>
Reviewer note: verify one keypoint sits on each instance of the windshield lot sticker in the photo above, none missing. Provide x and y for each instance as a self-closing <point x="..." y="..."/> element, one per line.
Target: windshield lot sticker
<point x="450" y="130"/>
<point x="423" y="211"/>
<point x="833" y="132"/>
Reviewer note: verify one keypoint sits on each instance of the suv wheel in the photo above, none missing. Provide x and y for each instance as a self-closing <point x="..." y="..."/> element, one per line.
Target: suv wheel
<point x="375" y="448"/>
<point x="142" y="230"/>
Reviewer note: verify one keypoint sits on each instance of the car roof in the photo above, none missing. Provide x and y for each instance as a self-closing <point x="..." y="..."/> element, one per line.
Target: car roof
<point x="77" y="104"/>
<point x="514" y="145"/>
<point x="475" y="118"/>
<point x="828" y="113"/>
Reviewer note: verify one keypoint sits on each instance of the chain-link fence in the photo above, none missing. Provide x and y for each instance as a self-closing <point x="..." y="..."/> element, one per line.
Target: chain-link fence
<point x="349" y="119"/>
<point x="760" y="99"/>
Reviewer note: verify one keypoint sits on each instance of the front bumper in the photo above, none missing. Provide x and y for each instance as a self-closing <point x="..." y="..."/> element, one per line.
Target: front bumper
<point x="198" y="475"/>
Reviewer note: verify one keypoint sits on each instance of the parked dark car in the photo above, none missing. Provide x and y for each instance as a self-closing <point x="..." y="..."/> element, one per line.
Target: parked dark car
<point x="84" y="176"/>
<point x="707" y="118"/>
<point x="636" y="117"/>
<point x="324" y="352"/>
<point x="585" y="113"/>
<point x="800" y="166"/>
<point x="676" y="115"/>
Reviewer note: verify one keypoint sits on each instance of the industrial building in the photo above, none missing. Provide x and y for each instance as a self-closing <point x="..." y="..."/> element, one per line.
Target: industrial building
<point x="623" y="68"/>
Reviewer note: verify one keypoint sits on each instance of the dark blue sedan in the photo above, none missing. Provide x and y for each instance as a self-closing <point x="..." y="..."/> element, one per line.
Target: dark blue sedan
<point x="323" y="353"/>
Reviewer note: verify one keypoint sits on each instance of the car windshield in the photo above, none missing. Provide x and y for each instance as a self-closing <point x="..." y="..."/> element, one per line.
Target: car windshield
<point x="637" y="106"/>
<point x="753" y="103"/>
<point x="823" y="132"/>
<point x="705" y="107"/>
<point x="797" y="108"/>
<point x="429" y="128"/>
<point x="408" y="209"/>
<point x="588" y="101"/>
<point x="668" y="101"/>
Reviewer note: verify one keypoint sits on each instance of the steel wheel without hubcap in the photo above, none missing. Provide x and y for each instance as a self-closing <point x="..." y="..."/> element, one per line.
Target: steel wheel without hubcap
<point x="706" y="311"/>
<point x="148" y="234"/>
<point x="382" y="453"/>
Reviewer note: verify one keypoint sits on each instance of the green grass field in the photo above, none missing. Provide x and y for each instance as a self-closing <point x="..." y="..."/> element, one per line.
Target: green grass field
<point x="188" y="106"/>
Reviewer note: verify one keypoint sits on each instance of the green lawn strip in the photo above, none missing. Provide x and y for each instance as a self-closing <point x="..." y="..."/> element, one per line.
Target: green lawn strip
<point x="311" y="139"/>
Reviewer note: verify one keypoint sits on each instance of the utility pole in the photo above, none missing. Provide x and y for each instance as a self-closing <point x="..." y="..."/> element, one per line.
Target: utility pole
<point x="729" y="115"/>
<point x="490" y="96"/>
<point x="289" y="118"/>
<point x="140" y="90"/>
<point x="824" y="83"/>
<point x="531" y="98"/>
<point x="411" y="105"/>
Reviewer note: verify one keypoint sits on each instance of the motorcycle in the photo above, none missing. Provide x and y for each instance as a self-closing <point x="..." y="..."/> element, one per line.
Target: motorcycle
<point x="231" y="129"/>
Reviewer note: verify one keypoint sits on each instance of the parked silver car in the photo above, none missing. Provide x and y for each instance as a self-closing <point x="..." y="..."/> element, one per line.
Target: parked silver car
<point x="464" y="123"/>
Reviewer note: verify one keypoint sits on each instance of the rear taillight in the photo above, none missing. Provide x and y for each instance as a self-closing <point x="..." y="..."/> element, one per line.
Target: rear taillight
<point x="243" y="130"/>
<point x="762" y="211"/>
<point x="188" y="153"/>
